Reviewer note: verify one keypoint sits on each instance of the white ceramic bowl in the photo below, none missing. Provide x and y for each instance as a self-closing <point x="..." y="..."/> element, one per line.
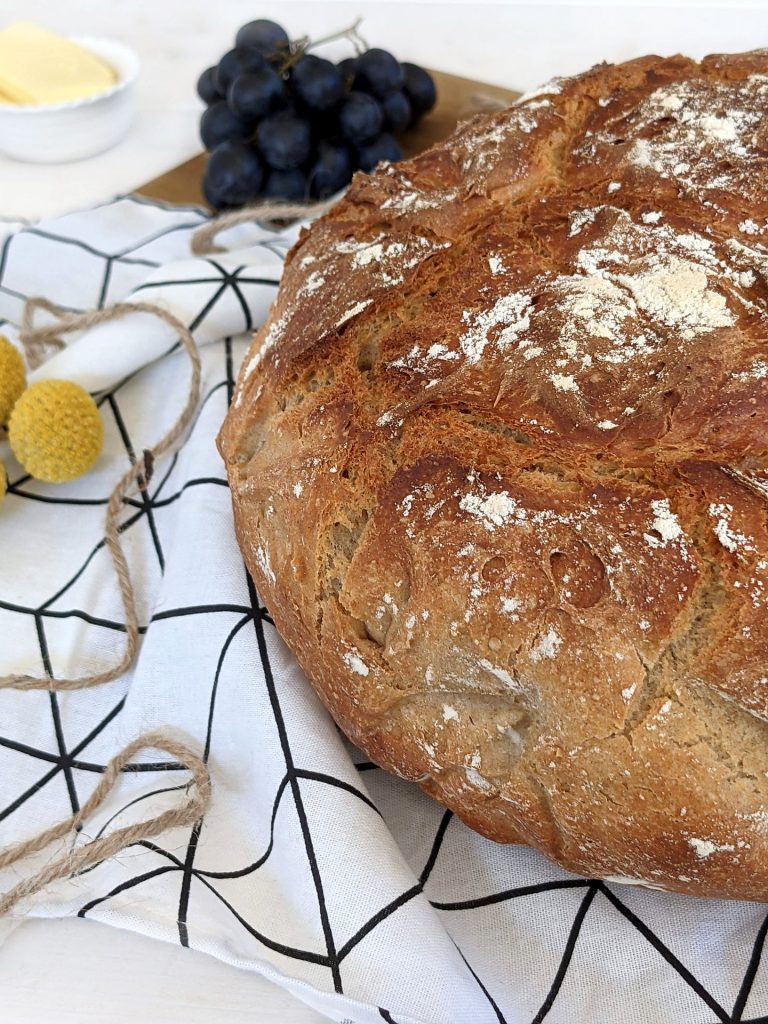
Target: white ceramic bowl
<point x="60" y="132"/>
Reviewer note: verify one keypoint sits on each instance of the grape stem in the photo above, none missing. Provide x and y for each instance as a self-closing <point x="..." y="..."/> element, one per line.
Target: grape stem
<point x="300" y="46"/>
<point x="350" y="33"/>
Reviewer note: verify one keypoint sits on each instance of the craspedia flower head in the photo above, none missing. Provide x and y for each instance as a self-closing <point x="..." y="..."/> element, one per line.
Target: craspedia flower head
<point x="12" y="377"/>
<point x="55" y="431"/>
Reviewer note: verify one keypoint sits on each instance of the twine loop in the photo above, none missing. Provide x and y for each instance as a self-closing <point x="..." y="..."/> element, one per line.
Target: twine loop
<point x="76" y="860"/>
<point x="37" y="339"/>
<point x="37" y="342"/>
<point x="202" y="242"/>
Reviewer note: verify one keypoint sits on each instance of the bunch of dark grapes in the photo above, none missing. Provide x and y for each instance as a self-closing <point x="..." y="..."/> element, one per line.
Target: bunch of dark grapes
<point x="282" y="123"/>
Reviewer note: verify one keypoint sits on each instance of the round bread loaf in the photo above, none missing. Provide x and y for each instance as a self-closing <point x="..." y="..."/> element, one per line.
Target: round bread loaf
<point x="499" y="464"/>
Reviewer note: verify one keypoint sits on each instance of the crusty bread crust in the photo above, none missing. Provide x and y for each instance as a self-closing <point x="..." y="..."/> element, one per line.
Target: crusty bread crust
<point x="499" y="464"/>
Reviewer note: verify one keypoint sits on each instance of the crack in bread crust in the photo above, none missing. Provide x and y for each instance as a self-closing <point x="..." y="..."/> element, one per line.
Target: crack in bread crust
<point x="499" y="463"/>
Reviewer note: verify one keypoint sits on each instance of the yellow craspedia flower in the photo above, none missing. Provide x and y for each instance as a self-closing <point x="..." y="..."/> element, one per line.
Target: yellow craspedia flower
<point x="55" y="431"/>
<point x="12" y="377"/>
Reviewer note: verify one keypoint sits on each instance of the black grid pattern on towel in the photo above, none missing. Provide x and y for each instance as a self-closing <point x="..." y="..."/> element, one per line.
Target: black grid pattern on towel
<point x="68" y="756"/>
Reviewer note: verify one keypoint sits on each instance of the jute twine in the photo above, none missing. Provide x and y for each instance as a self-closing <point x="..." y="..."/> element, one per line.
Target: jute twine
<point x="37" y="341"/>
<point x="202" y="242"/>
<point x="77" y="859"/>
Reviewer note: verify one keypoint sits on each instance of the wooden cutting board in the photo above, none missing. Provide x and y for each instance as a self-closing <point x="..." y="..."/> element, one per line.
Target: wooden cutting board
<point x="456" y="100"/>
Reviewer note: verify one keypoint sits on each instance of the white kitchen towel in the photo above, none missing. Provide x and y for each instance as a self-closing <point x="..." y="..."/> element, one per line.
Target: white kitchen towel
<point x="313" y="867"/>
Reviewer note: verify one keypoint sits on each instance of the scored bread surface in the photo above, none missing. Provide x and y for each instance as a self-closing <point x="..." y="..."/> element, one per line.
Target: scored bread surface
<point x="499" y="466"/>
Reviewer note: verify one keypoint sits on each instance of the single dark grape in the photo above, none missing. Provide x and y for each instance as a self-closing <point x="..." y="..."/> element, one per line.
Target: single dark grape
<point x="255" y="94"/>
<point x="396" y="108"/>
<point x="385" y="147"/>
<point x="360" y="118"/>
<point x="284" y="140"/>
<point x="233" y="175"/>
<point x="331" y="171"/>
<point x="207" y="89"/>
<point x="263" y="35"/>
<point x="324" y="125"/>
<point x="378" y="72"/>
<point x="218" y="124"/>
<point x="234" y="63"/>
<point x="290" y="185"/>
<point x="347" y="69"/>
<point x="317" y="84"/>
<point x="420" y="89"/>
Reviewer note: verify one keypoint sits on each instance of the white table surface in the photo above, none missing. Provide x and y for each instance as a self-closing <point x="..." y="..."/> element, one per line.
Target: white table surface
<point x="77" y="972"/>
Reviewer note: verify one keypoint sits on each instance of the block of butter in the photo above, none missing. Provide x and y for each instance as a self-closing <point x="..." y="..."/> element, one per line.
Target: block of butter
<point x="41" y="67"/>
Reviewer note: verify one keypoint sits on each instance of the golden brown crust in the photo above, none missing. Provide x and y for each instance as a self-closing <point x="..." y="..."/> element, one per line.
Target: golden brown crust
<point x="499" y="464"/>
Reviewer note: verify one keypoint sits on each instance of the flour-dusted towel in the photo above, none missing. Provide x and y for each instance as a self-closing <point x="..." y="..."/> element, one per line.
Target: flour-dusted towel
<point x="349" y="887"/>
